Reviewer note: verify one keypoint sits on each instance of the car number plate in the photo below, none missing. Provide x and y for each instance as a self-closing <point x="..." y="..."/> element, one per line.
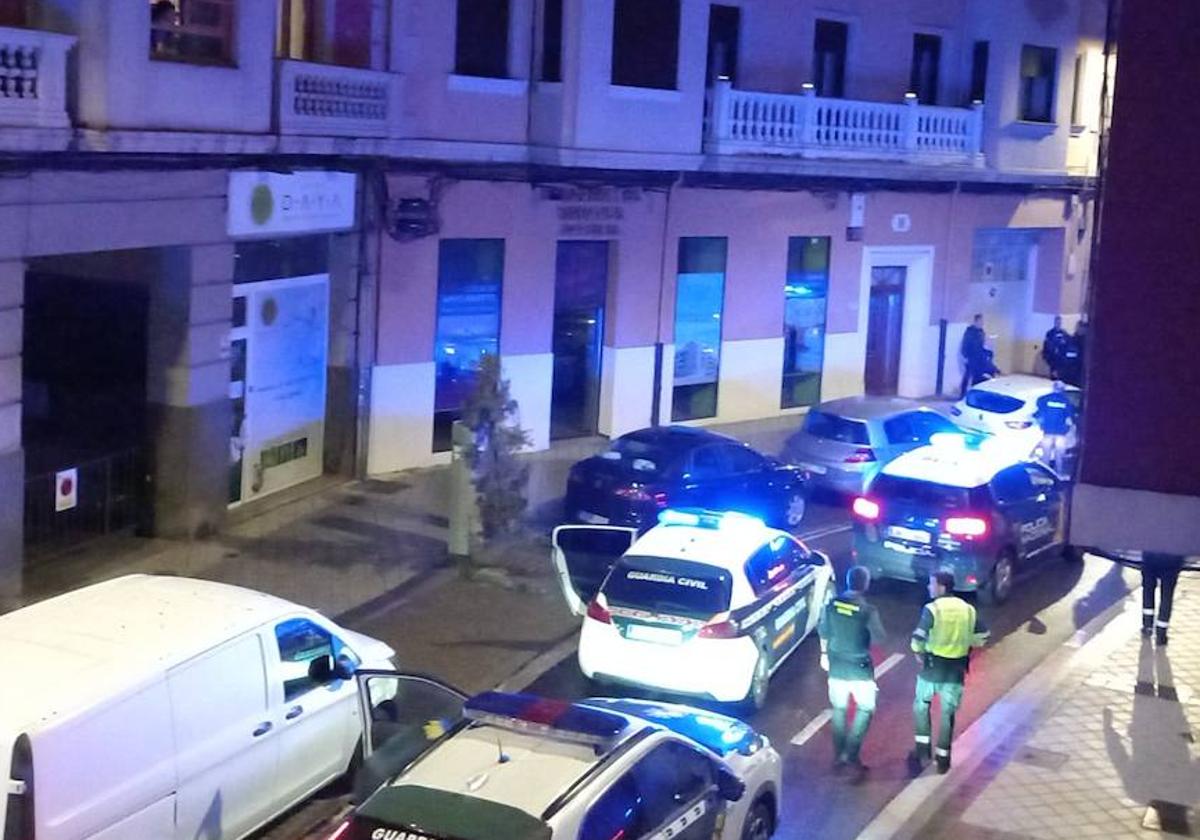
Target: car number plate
<point x="911" y="534"/>
<point x="904" y="548"/>
<point x="659" y="635"/>
<point x="592" y="518"/>
<point x="814" y="468"/>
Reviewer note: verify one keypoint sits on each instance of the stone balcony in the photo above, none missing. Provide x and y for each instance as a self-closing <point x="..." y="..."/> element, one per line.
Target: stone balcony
<point x="33" y="79"/>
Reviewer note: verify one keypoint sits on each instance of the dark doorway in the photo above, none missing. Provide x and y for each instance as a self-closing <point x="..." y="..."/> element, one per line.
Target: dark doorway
<point x="723" y="25"/>
<point x="926" y="67"/>
<point x="829" y="57"/>
<point x="885" y="321"/>
<point x="84" y="405"/>
<point x="581" y="283"/>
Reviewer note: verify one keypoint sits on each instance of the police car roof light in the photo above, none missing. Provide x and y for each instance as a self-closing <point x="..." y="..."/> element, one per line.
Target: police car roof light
<point x="720" y="520"/>
<point x="550" y="718"/>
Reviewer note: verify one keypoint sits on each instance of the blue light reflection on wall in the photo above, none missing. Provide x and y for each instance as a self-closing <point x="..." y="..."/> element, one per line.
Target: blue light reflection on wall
<point x="806" y="291"/>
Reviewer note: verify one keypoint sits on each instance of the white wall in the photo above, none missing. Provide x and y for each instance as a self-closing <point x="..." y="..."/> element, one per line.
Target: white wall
<point x="626" y="389"/>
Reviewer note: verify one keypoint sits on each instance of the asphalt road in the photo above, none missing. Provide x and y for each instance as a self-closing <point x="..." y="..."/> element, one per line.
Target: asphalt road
<point x="1050" y="603"/>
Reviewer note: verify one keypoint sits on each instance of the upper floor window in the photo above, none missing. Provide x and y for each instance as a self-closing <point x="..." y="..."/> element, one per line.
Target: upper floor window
<point x="926" y="61"/>
<point x="723" y="25"/>
<point x="645" y="49"/>
<point x="979" y="67"/>
<point x="1077" y="93"/>
<point x="326" y="31"/>
<point x="199" y="31"/>
<point x="12" y="12"/>
<point x="552" y="23"/>
<point x="829" y="57"/>
<point x="481" y="39"/>
<point x="1038" y="66"/>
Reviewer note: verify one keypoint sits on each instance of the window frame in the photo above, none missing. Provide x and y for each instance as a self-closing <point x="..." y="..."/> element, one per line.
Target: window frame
<point x="624" y="68"/>
<point x="793" y="376"/>
<point x="1025" y="105"/>
<point x="980" y="59"/>
<point x="937" y="43"/>
<point x="703" y="257"/>
<point x="838" y="90"/>
<point x="465" y="62"/>
<point x="224" y="34"/>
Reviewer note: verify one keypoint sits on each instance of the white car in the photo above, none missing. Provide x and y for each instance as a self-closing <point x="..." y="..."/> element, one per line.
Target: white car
<point x="518" y="767"/>
<point x="703" y="604"/>
<point x="163" y="707"/>
<point x="1005" y="407"/>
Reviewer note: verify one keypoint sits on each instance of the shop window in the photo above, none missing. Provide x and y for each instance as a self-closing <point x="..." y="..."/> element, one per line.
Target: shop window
<point x="470" y="272"/>
<point x="979" y="67"/>
<point x="805" y="293"/>
<point x="1038" y="66"/>
<point x="1002" y="255"/>
<point x="699" y="300"/>
<point x="829" y="57"/>
<point x="326" y="31"/>
<point x="923" y="75"/>
<point x="552" y="21"/>
<point x="271" y="259"/>
<point x="198" y="31"/>
<point x="481" y="39"/>
<point x="645" y="50"/>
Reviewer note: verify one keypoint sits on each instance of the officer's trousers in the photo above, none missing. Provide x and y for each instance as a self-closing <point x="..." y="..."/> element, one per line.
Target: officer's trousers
<point x="950" y="694"/>
<point x="847" y="744"/>
<point x="1153" y="578"/>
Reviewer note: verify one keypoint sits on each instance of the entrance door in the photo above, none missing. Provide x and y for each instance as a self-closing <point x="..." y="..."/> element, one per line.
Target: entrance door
<point x="581" y="283"/>
<point x="723" y="25"/>
<point x="884" y="324"/>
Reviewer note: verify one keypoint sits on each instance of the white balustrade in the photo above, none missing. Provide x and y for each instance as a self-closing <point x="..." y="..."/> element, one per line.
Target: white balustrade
<point x="807" y="125"/>
<point x="33" y="78"/>
<point x="327" y="100"/>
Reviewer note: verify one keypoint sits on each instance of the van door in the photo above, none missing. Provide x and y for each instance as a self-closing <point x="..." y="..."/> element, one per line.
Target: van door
<point x="225" y="740"/>
<point x="583" y="556"/>
<point x="317" y="731"/>
<point x="402" y="716"/>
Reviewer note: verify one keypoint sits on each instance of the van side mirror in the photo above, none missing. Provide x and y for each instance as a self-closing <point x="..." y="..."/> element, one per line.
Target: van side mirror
<point x="321" y="669"/>
<point x="729" y="785"/>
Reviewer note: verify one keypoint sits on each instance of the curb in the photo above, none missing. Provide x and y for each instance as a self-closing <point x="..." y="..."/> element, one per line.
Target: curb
<point x="1022" y="706"/>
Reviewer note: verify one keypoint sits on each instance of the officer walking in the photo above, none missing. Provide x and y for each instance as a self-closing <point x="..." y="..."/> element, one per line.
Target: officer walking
<point x="848" y="626"/>
<point x="1158" y="569"/>
<point x="1056" y="415"/>
<point x="1054" y="347"/>
<point x="974" y="353"/>
<point x="948" y="629"/>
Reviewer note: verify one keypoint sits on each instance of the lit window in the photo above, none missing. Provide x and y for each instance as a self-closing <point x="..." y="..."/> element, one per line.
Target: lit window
<point x="805" y="292"/>
<point x="199" y="31"/>
<point x="699" y="299"/>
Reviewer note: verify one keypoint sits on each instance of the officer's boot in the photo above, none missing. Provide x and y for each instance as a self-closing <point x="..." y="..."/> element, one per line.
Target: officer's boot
<point x="943" y="761"/>
<point x="1160" y="634"/>
<point x="918" y="758"/>
<point x="1147" y="622"/>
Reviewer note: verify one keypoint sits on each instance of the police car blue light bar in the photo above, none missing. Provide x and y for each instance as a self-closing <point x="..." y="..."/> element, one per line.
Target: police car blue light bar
<point x="549" y="718"/>
<point x="715" y="519"/>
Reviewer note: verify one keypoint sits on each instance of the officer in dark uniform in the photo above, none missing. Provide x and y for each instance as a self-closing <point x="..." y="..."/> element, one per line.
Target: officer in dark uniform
<point x="1054" y="346"/>
<point x="973" y="350"/>
<point x="1056" y="415"/>
<point x="1158" y="570"/>
<point x="849" y="625"/>
<point x="948" y="629"/>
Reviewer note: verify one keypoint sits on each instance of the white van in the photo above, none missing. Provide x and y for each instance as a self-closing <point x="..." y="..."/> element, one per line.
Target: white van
<point x="153" y="708"/>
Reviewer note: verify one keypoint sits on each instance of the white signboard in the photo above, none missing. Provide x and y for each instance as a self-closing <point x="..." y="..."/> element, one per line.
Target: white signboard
<point x="269" y="203"/>
<point x="66" y="489"/>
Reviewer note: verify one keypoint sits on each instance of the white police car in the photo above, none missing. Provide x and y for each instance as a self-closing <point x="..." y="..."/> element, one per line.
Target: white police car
<point x="965" y="505"/>
<point x="703" y="604"/>
<point x="517" y="767"/>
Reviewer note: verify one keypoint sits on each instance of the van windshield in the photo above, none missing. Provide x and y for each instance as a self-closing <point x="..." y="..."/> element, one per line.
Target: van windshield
<point x="668" y="586"/>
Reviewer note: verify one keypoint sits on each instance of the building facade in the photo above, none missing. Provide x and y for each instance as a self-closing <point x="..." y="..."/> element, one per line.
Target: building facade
<point x="276" y="235"/>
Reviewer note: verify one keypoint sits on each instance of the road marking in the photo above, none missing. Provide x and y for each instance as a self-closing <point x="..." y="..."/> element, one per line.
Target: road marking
<point x="827" y="531"/>
<point x="814" y="726"/>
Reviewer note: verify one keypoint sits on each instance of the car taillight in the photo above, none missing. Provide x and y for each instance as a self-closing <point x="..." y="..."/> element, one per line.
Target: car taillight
<point x="633" y="493"/>
<point x="1018" y="424"/>
<point x="721" y="627"/>
<point x="660" y="499"/>
<point x="966" y="526"/>
<point x="340" y="831"/>
<point x="862" y="455"/>
<point x="866" y="509"/>
<point x="598" y="612"/>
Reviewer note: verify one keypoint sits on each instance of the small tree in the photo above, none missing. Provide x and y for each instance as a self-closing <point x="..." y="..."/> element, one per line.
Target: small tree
<point x="500" y="479"/>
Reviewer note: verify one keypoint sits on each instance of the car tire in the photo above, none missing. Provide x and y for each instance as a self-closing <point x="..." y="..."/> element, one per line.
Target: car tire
<point x="756" y="696"/>
<point x="1000" y="581"/>
<point x="760" y="821"/>
<point x="795" y="505"/>
<point x="1072" y="554"/>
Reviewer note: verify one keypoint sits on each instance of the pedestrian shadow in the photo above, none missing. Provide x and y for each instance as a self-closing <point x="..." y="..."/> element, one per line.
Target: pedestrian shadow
<point x="1157" y="768"/>
<point x="1108" y="589"/>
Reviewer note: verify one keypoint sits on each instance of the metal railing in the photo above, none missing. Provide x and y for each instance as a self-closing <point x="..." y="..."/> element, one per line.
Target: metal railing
<point x="109" y="491"/>
<point x="33" y="78"/>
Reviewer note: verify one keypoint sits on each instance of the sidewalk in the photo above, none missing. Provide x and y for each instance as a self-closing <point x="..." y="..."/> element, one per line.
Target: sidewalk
<point x="1107" y="750"/>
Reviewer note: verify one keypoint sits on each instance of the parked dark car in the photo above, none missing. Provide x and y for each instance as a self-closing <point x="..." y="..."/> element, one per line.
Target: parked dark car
<point x="646" y="471"/>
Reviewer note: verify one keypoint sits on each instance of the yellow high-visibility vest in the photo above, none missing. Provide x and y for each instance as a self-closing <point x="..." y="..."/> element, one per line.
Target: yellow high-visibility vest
<point x="953" y="628"/>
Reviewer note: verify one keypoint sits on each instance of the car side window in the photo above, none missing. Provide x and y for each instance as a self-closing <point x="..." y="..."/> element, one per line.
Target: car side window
<point x="1040" y="478"/>
<point x="899" y="429"/>
<point x="300" y="642"/>
<point x="617" y="813"/>
<point x="765" y="569"/>
<point x="707" y="462"/>
<point x="743" y="459"/>
<point x="670" y="777"/>
<point x="926" y="424"/>
<point x="1012" y="485"/>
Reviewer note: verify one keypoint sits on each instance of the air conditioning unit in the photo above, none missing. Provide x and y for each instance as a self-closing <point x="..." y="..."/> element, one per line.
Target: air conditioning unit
<point x="411" y="218"/>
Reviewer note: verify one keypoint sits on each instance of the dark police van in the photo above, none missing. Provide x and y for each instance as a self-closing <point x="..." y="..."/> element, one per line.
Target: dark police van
<point x="964" y="505"/>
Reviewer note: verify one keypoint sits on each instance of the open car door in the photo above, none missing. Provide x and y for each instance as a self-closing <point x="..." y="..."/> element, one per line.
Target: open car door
<point x="583" y="556"/>
<point x="402" y="716"/>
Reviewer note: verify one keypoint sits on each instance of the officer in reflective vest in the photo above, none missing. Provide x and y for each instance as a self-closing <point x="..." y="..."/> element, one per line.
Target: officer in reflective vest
<point x="948" y="629"/>
<point x="849" y="625"/>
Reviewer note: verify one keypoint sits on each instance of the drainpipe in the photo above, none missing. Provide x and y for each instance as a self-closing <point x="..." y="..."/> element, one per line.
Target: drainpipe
<point x="656" y="395"/>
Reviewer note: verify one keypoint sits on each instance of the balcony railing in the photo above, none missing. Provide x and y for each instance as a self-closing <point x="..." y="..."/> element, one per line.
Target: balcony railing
<point x="327" y="100"/>
<point x="810" y="126"/>
<point x="33" y="78"/>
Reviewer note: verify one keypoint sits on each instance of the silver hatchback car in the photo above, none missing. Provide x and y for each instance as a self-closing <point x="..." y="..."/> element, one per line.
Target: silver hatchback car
<point x="844" y="443"/>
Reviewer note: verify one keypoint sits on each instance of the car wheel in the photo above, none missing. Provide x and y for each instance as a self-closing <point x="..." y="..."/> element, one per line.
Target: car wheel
<point x="760" y="821"/>
<point x="1072" y="554"/>
<point x="794" y="507"/>
<point x="999" y="585"/>
<point x="756" y="698"/>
